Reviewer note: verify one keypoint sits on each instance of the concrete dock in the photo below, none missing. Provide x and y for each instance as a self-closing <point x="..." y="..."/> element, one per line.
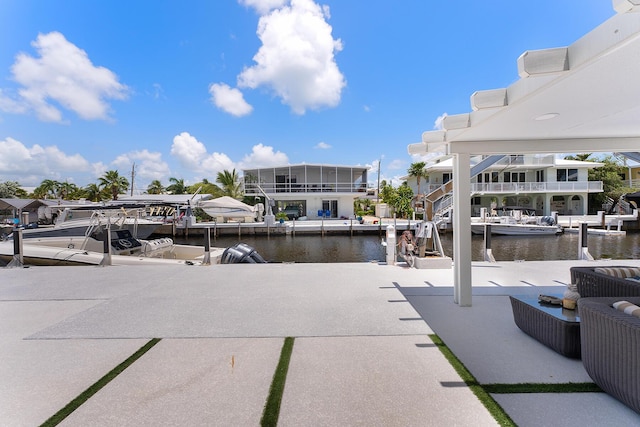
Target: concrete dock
<point x="362" y="354"/>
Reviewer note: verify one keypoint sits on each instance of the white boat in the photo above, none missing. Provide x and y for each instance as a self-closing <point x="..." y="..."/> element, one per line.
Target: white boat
<point x="123" y="249"/>
<point x="518" y="222"/>
<point x="75" y="221"/>
<point x="227" y="207"/>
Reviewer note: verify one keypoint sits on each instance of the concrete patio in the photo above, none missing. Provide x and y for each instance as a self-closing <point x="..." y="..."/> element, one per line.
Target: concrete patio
<point x="362" y="354"/>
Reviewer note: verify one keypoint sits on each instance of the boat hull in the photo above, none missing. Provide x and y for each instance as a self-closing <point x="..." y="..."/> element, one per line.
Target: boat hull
<point x="517" y="229"/>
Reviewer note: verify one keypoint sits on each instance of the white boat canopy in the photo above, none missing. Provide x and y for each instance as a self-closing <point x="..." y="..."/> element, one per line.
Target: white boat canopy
<point x="227" y="207"/>
<point x="577" y="99"/>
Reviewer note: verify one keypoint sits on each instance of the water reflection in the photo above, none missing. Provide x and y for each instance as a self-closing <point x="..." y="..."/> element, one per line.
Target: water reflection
<point x="365" y="248"/>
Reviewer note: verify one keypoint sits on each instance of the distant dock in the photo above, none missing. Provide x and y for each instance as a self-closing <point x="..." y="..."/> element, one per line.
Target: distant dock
<point x="293" y="227"/>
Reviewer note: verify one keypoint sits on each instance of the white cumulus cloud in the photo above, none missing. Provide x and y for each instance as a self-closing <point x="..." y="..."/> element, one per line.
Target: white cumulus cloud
<point x="437" y="125"/>
<point x="322" y="145"/>
<point x="296" y="60"/>
<point x="148" y="165"/>
<point x="229" y="100"/>
<point x="192" y="154"/>
<point x="61" y="75"/>
<point x="263" y="156"/>
<point x="263" y="6"/>
<point x="30" y="165"/>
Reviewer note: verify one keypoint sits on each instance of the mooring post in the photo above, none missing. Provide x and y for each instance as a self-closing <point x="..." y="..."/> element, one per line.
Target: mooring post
<point x="583" y="250"/>
<point x="106" y="246"/>
<point x="488" y="255"/>
<point x="18" y="258"/>
<point x="207" y="247"/>
<point x="391" y="245"/>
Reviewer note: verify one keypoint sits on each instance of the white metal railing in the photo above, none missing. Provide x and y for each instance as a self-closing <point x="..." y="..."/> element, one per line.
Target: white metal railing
<point x="528" y="187"/>
<point x="537" y="187"/>
<point x="309" y="187"/>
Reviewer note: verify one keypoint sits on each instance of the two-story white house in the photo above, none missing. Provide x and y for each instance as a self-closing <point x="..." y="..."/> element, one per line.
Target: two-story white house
<point x="541" y="182"/>
<point x="311" y="191"/>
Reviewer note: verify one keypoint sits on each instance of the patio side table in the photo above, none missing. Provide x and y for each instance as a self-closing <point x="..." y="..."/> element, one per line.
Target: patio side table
<point x="552" y="325"/>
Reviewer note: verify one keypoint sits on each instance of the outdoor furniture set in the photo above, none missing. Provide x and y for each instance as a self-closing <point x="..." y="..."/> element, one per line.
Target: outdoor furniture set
<point x="606" y="338"/>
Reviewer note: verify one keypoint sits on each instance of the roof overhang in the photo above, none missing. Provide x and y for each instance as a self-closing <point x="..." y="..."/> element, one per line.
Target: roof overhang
<point x="580" y="98"/>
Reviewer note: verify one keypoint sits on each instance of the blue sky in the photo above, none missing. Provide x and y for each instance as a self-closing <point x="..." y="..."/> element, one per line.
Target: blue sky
<point x="188" y="89"/>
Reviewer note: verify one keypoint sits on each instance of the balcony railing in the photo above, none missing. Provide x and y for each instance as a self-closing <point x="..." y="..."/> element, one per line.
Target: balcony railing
<point x="310" y="187"/>
<point x="532" y="187"/>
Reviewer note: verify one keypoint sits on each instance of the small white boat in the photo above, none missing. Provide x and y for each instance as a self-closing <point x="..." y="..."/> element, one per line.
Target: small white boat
<point x="518" y="222"/>
<point x="517" y="229"/>
<point x="77" y="221"/>
<point x="227" y="207"/>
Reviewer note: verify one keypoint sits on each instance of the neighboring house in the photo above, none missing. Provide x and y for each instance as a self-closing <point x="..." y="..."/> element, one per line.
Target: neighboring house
<point x="540" y="182"/>
<point x="309" y="190"/>
<point x="631" y="176"/>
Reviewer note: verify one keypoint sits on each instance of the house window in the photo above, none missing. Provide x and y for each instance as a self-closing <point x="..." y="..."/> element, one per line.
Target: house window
<point x="514" y="177"/>
<point x="567" y="175"/>
<point x="488" y="177"/>
<point x="446" y="177"/>
<point x="539" y="176"/>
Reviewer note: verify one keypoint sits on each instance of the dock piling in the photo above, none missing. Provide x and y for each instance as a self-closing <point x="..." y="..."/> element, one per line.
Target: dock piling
<point x="583" y="250"/>
<point x="207" y="247"/>
<point x="488" y="255"/>
<point x="18" y="258"/>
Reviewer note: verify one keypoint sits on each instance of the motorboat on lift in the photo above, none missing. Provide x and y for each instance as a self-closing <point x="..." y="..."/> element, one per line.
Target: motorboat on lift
<point x="122" y="249"/>
<point x="78" y="220"/>
<point x="517" y="221"/>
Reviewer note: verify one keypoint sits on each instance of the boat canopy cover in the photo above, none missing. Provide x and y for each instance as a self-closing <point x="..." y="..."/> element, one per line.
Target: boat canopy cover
<point x="226" y="206"/>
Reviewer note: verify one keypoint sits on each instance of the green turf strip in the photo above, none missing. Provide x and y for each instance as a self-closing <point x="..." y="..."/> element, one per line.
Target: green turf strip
<point x="272" y="406"/>
<point x="93" y="389"/>
<point x="492" y="406"/>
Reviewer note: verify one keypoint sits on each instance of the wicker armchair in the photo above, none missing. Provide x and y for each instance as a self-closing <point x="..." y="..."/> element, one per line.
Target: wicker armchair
<point x="593" y="283"/>
<point x="610" y="348"/>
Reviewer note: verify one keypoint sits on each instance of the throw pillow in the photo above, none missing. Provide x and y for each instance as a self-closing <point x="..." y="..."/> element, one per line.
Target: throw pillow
<point x="627" y="308"/>
<point x="619" y="272"/>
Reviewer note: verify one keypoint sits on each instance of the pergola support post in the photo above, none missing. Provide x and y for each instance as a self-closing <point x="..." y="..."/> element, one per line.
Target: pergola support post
<point x="462" y="229"/>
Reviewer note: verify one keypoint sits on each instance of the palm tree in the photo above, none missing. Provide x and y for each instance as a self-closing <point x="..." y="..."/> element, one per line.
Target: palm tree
<point x="583" y="157"/>
<point x="10" y="189"/>
<point x="114" y="183"/>
<point x="93" y="192"/>
<point x="206" y="187"/>
<point x="155" y="187"/>
<point x="177" y="186"/>
<point x="48" y="187"/>
<point x="417" y="171"/>
<point x="231" y="185"/>
<point x="68" y="190"/>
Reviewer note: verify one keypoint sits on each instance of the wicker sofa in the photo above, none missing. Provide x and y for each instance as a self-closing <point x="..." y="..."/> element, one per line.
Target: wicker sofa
<point x="610" y="281"/>
<point x="610" y="347"/>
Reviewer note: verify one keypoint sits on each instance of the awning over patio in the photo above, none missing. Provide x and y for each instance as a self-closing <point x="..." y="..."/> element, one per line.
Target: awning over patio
<point x="575" y="99"/>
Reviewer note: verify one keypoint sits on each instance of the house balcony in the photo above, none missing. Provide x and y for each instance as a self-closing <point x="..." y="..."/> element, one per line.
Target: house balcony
<point x="252" y="189"/>
<point x="561" y="187"/>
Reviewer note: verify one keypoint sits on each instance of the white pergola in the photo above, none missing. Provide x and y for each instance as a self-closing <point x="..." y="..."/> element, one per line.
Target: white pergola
<point x="575" y="99"/>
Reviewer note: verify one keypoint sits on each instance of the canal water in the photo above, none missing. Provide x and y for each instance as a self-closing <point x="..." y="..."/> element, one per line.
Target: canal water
<point x="368" y="248"/>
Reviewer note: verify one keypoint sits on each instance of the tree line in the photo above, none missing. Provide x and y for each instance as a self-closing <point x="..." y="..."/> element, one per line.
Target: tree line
<point x="112" y="184"/>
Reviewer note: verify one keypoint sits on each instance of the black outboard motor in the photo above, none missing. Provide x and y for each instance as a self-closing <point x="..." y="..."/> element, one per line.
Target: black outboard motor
<point x="241" y="253"/>
<point x="548" y="220"/>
